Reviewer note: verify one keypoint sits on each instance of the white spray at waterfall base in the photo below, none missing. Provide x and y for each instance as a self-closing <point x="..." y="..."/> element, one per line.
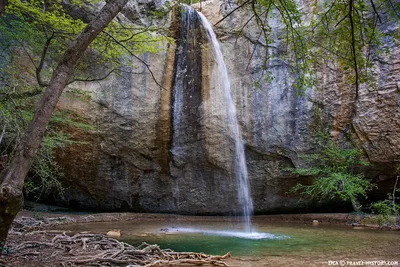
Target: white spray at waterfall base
<point x="227" y="233"/>
<point x="240" y="171"/>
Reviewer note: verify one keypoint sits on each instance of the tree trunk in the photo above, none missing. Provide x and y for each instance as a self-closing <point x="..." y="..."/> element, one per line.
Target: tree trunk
<point x="3" y="4"/>
<point x="356" y="205"/>
<point x="12" y="178"/>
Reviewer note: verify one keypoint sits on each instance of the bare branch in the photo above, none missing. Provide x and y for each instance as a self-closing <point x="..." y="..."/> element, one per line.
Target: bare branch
<point x="242" y="28"/>
<point x="26" y="51"/>
<point x="341" y="20"/>
<point x="41" y="63"/>
<point x="327" y="49"/>
<point x="258" y="19"/>
<point x="394" y="8"/>
<point x="375" y="11"/>
<point x="353" y="45"/>
<point x="138" y="58"/>
<point x="252" y="53"/>
<point x="325" y="14"/>
<point x="394" y="194"/>
<point x="101" y="78"/>
<point x="370" y="43"/>
<point x="136" y="33"/>
<point x="235" y="9"/>
<point x="2" y="133"/>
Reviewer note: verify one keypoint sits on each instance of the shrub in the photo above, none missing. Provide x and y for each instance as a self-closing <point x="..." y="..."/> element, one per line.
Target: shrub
<point x="333" y="169"/>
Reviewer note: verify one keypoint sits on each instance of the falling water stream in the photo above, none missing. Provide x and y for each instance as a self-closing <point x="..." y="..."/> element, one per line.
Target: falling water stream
<point x="186" y="115"/>
<point x="240" y="171"/>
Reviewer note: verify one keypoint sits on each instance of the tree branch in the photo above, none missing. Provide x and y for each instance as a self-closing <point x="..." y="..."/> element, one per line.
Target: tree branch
<point x="2" y="133"/>
<point x="23" y="47"/>
<point x="325" y="14"/>
<point x="394" y="8"/>
<point x="370" y="43"/>
<point x="41" y="63"/>
<point x="394" y="194"/>
<point x="375" y="11"/>
<point x="341" y="20"/>
<point x="235" y="9"/>
<point x="21" y="95"/>
<point x="136" y="33"/>
<point x="353" y="45"/>
<point x="3" y="4"/>
<point x="101" y="78"/>
<point x="27" y="148"/>
<point x="138" y="58"/>
<point x="242" y="28"/>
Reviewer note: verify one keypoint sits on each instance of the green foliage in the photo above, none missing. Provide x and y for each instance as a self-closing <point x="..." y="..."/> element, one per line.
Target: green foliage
<point x="298" y="54"/>
<point x="45" y="172"/>
<point x="71" y="119"/>
<point x="387" y="210"/>
<point x="332" y="159"/>
<point x="333" y="169"/>
<point x="33" y="36"/>
<point x="16" y="112"/>
<point x="341" y="35"/>
<point x="43" y="29"/>
<point x="76" y="93"/>
<point x="6" y="250"/>
<point x="195" y="1"/>
<point x="342" y="185"/>
<point x="385" y="213"/>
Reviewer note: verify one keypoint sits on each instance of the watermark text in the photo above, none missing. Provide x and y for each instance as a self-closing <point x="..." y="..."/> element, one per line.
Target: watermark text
<point x="363" y="263"/>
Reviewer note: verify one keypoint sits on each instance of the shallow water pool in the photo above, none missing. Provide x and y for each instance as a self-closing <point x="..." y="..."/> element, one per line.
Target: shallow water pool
<point x="284" y="244"/>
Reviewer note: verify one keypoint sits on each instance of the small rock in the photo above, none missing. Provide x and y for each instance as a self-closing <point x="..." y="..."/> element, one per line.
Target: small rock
<point x="114" y="233"/>
<point x="315" y="222"/>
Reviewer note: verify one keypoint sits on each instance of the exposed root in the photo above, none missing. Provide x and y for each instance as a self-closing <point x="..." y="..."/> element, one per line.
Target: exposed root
<point x="62" y="248"/>
<point x="24" y="224"/>
<point x="99" y="250"/>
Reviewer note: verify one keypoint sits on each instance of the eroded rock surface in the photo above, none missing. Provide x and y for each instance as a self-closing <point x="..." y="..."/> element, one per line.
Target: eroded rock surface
<point x="168" y="150"/>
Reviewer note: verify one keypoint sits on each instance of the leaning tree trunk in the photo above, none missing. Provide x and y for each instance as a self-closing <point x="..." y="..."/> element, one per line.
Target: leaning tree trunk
<point x="12" y="178"/>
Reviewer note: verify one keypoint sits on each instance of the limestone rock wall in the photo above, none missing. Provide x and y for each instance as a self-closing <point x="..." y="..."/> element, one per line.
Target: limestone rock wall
<point x="166" y="150"/>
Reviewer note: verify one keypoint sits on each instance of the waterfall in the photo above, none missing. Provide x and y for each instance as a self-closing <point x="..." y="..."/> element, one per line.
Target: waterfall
<point x="240" y="170"/>
<point x="187" y="91"/>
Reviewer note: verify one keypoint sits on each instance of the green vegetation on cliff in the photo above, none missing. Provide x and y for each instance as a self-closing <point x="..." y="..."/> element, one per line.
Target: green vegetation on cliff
<point x="337" y="35"/>
<point x="33" y="36"/>
<point x="333" y="170"/>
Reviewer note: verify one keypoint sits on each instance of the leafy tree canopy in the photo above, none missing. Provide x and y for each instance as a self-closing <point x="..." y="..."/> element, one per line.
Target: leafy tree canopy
<point x="342" y="34"/>
<point x="33" y="36"/>
<point x="44" y="29"/>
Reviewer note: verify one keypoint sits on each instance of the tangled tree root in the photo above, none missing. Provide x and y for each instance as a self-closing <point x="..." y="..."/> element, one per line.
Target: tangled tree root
<point x="24" y="224"/>
<point x="86" y="249"/>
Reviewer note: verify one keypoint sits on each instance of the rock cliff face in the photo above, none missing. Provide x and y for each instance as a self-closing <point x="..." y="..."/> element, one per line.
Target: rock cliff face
<point x="168" y="150"/>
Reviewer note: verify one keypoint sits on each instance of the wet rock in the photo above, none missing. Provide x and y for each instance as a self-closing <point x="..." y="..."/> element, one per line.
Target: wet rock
<point x="114" y="233"/>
